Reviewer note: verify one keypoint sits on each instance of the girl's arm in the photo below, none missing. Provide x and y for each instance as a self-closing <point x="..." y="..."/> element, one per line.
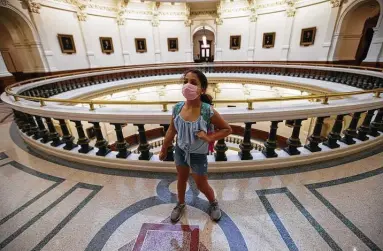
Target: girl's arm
<point x="219" y="123"/>
<point x="168" y="139"/>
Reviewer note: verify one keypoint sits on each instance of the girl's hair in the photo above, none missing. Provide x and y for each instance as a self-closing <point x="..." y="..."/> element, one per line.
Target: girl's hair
<point x="206" y="98"/>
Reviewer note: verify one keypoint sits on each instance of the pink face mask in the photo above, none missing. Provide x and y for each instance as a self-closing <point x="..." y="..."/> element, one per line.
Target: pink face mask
<point x="190" y="91"/>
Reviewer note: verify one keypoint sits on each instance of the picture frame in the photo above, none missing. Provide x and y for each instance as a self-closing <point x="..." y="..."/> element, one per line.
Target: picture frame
<point x="67" y="43"/>
<point x="308" y="36"/>
<point x="106" y="44"/>
<point x="173" y="44"/>
<point x="268" y="40"/>
<point x="235" y="42"/>
<point x="140" y="45"/>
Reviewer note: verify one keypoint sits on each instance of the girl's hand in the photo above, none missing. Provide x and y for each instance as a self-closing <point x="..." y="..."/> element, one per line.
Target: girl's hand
<point x="162" y="154"/>
<point x="202" y="135"/>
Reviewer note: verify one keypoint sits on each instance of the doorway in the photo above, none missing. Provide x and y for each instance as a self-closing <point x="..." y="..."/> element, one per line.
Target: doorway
<point x="205" y="51"/>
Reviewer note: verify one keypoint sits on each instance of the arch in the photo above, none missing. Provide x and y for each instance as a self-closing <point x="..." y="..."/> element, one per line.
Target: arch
<point x="347" y="38"/>
<point x="26" y="44"/>
<point x="200" y="27"/>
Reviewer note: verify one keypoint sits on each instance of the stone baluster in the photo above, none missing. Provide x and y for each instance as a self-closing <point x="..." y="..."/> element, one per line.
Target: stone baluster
<point x="143" y="147"/>
<point x="315" y="138"/>
<point x="18" y="119"/>
<point x="246" y="145"/>
<point x="67" y="137"/>
<point x="83" y="141"/>
<point x="220" y="150"/>
<point x="271" y="142"/>
<point x="53" y="134"/>
<point x="32" y="125"/>
<point x="294" y="142"/>
<point x="121" y="144"/>
<point x="101" y="143"/>
<point x="42" y="131"/>
<point x="351" y="133"/>
<point x="377" y="124"/>
<point x="364" y="129"/>
<point x="334" y="135"/>
<point x="170" y="150"/>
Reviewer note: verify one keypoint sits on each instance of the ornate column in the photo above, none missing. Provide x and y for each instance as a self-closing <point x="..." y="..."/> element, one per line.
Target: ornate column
<point x="290" y="12"/>
<point x="331" y="24"/>
<point x="377" y="125"/>
<point x="44" y="48"/>
<point x="315" y="138"/>
<point x="83" y="141"/>
<point x="101" y="143"/>
<point x="53" y="135"/>
<point x="121" y="144"/>
<point x="334" y="135"/>
<point x="189" y="38"/>
<point x="271" y="142"/>
<point x="156" y="32"/>
<point x="67" y="137"/>
<point x="220" y="150"/>
<point x="218" y="22"/>
<point x="294" y="142"/>
<point x="350" y="133"/>
<point x="41" y="132"/>
<point x="170" y="154"/>
<point x="364" y="129"/>
<point x="144" y="147"/>
<point x="122" y="31"/>
<point x="252" y="29"/>
<point x="246" y="145"/>
<point x="85" y="32"/>
<point x="374" y="52"/>
<point x="3" y="68"/>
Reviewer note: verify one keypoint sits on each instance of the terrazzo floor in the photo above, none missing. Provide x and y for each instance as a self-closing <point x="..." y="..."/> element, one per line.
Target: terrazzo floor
<point x="52" y="206"/>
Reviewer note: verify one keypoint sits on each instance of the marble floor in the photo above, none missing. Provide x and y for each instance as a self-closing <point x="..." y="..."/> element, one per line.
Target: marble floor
<point x="50" y="204"/>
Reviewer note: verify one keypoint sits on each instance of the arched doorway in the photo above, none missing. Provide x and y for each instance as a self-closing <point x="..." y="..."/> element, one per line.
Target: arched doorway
<point x="19" y="46"/>
<point x="356" y="32"/>
<point x="202" y="52"/>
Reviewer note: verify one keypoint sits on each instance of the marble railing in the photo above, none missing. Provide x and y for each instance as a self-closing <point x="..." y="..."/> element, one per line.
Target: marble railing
<point x="36" y="122"/>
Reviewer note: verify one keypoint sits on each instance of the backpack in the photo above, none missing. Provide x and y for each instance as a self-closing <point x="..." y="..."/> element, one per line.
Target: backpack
<point x="205" y="111"/>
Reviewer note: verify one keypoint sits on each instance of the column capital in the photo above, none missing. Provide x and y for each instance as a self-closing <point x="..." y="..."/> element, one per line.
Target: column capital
<point x="33" y="6"/>
<point x="335" y="3"/>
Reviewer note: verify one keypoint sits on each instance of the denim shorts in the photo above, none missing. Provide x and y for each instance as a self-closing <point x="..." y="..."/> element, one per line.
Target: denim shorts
<point x="198" y="161"/>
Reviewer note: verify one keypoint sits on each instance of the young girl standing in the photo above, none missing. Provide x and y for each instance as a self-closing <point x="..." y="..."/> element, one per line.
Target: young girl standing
<point x="190" y="121"/>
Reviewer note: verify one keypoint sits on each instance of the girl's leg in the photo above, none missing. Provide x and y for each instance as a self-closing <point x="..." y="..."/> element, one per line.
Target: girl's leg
<point x="203" y="185"/>
<point x="205" y="188"/>
<point x="182" y="179"/>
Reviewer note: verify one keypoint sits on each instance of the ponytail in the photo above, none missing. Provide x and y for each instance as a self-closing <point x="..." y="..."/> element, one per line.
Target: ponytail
<point x="206" y="98"/>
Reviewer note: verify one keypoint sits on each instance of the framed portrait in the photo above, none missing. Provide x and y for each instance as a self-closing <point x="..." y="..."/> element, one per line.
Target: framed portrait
<point x="140" y="45"/>
<point x="106" y="45"/>
<point x="268" y="40"/>
<point x="66" y="43"/>
<point x="172" y="44"/>
<point x="235" y="42"/>
<point x="308" y="36"/>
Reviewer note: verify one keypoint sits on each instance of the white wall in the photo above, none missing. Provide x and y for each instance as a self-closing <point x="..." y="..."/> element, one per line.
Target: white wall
<point x="312" y="16"/>
<point x="232" y="27"/>
<point x="64" y="22"/>
<point x="173" y="29"/>
<point x="140" y="29"/>
<point x="60" y="17"/>
<point x="105" y="27"/>
<point x="265" y="24"/>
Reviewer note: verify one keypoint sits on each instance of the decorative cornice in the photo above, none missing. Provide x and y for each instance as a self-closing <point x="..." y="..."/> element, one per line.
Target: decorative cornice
<point x="335" y="3"/>
<point x="4" y="3"/>
<point x="290" y="9"/>
<point x="253" y="11"/>
<point x="155" y="13"/>
<point x="204" y="12"/>
<point x="33" y="6"/>
<point x="81" y="12"/>
<point x="121" y="12"/>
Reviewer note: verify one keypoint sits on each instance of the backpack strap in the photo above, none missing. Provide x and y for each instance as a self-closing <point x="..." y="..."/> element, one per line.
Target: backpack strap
<point x="177" y="108"/>
<point x="205" y="113"/>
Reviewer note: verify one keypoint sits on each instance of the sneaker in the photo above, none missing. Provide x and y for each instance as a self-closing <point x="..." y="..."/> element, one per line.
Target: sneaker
<point x="215" y="212"/>
<point x="177" y="212"/>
